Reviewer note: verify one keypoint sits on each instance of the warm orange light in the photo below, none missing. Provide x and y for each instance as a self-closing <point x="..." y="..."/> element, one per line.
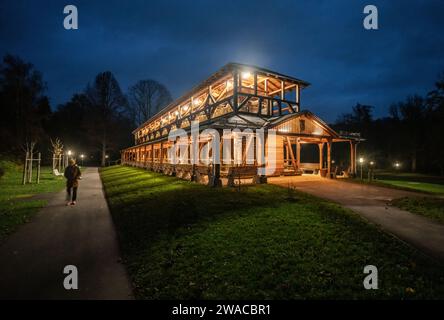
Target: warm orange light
<point x="246" y="75"/>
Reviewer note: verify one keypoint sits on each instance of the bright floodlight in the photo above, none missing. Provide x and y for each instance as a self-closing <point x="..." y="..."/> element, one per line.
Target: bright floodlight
<point x="361" y="160"/>
<point x="69" y="152"/>
<point x="246" y="74"/>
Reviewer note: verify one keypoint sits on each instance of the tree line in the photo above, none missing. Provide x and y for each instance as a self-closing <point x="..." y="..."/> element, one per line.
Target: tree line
<point x="411" y="135"/>
<point x="96" y="121"/>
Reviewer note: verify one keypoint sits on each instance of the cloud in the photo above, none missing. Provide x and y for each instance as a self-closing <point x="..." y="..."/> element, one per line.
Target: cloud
<point x="180" y="43"/>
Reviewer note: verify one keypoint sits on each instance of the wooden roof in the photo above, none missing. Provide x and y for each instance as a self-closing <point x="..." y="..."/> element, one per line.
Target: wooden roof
<point x="224" y="71"/>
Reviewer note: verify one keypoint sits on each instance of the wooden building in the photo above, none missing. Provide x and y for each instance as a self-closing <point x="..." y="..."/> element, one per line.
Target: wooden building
<point x="247" y="99"/>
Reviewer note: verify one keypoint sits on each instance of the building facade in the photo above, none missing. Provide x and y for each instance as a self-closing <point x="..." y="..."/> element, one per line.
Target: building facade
<point x="242" y="121"/>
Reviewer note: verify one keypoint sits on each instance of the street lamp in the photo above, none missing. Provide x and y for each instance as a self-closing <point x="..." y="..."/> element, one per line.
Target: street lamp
<point x="397" y="165"/>
<point x="370" y="171"/>
<point x="361" y="162"/>
<point x="81" y="157"/>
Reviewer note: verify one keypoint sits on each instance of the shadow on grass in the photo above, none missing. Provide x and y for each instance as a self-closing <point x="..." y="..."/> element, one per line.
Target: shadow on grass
<point x="184" y="240"/>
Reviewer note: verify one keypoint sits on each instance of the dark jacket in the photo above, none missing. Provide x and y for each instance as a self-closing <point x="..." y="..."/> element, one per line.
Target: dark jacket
<point x="72" y="175"/>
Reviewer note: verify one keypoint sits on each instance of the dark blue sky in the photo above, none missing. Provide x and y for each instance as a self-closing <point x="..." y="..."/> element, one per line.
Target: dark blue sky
<point x="179" y="43"/>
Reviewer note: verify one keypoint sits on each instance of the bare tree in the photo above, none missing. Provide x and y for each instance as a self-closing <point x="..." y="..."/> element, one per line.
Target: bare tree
<point x="146" y="98"/>
<point x="107" y="104"/>
<point x="57" y="150"/>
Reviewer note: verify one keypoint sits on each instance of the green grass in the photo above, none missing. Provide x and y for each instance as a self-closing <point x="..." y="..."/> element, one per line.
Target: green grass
<point x="16" y="203"/>
<point x="416" y="186"/>
<point x="429" y="207"/>
<point x="182" y="240"/>
<point x="417" y="182"/>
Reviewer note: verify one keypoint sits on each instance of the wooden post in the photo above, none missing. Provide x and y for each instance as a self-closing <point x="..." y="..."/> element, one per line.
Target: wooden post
<point x="39" y="158"/>
<point x="298" y="93"/>
<point x="355" y="169"/>
<point x="25" y="168"/>
<point x="235" y="89"/>
<point x="298" y="153"/>
<point x="161" y="152"/>
<point x="282" y="90"/>
<point x="290" y="151"/>
<point x="30" y="167"/>
<point x="321" y="155"/>
<point x="352" y="158"/>
<point x="329" y="159"/>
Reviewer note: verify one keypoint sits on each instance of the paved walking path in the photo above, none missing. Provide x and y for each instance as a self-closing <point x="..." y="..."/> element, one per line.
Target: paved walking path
<point x="32" y="260"/>
<point x="371" y="202"/>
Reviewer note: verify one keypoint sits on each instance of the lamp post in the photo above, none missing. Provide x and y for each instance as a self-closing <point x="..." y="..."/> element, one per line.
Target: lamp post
<point x="68" y="155"/>
<point x="81" y="157"/>
<point x="361" y="162"/>
<point x="370" y="171"/>
<point x="397" y="165"/>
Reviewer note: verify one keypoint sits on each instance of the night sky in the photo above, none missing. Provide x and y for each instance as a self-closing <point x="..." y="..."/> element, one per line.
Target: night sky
<point x="180" y="43"/>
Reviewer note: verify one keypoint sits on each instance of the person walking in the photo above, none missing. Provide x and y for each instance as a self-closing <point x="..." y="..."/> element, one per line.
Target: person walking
<point x="72" y="175"/>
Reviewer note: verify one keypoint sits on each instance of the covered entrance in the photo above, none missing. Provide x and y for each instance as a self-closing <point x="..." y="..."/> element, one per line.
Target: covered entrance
<point x="305" y="144"/>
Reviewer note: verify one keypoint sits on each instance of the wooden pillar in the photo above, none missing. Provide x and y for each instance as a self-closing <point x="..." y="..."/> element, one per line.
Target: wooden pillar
<point x="282" y="90"/>
<point x="287" y="153"/>
<point x="352" y="158"/>
<point x="329" y="158"/>
<point x="25" y="168"/>
<point x="355" y="169"/>
<point x="298" y="153"/>
<point x="39" y="159"/>
<point x="161" y="152"/>
<point x="321" y="155"/>
<point x="298" y="93"/>
<point x="235" y="89"/>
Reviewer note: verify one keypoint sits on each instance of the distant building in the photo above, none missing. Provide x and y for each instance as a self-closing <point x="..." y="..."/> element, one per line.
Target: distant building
<point x="244" y="99"/>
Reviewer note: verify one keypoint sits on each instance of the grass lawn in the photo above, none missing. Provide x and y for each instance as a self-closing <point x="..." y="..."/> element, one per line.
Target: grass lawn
<point x="405" y="181"/>
<point x="411" y="181"/>
<point x="187" y="241"/>
<point x="416" y="186"/>
<point x="16" y="207"/>
<point x="429" y="207"/>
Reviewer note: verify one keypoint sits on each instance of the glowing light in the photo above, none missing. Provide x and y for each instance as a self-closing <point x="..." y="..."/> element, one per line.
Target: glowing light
<point x="361" y="160"/>
<point x="176" y="113"/>
<point x="397" y="164"/>
<point x="246" y="75"/>
<point x="82" y="156"/>
<point x="372" y="163"/>
<point x="196" y="102"/>
<point x="106" y="156"/>
<point x="185" y="107"/>
<point x="69" y="152"/>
